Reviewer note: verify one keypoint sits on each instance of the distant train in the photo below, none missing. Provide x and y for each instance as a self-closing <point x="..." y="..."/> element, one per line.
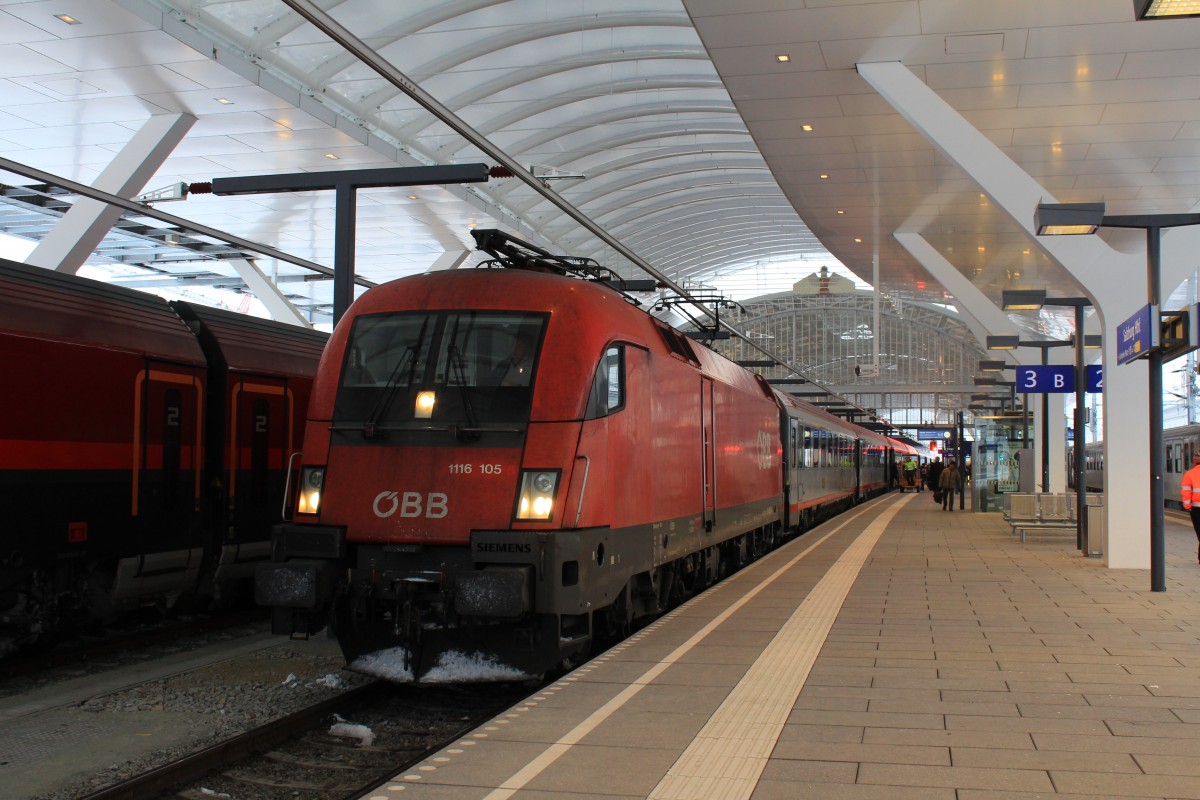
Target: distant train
<point x="143" y="448"/>
<point x="502" y="464"/>
<point x="1178" y="444"/>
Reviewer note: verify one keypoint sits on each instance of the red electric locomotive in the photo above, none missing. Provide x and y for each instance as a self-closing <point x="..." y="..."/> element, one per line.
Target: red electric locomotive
<point x="500" y="464"/>
<point x="143" y="447"/>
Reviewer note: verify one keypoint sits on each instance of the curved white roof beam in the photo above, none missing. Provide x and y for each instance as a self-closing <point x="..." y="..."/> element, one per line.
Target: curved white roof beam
<point x="732" y="198"/>
<point x="514" y="37"/>
<point x="584" y="94"/>
<point x="702" y="173"/>
<point x="611" y="116"/>
<point x="662" y="203"/>
<point x="595" y="166"/>
<point x="593" y="190"/>
<point x="515" y="78"/>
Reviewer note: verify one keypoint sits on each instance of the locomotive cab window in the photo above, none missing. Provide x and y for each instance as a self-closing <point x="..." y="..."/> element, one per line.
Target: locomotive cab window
<point x="416" y="370"/>
<point x="608" y="385"/>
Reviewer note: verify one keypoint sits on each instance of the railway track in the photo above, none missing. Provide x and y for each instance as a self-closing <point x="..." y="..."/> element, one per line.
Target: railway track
<point x="80" y="651"/>
<point x="302" y="755"/>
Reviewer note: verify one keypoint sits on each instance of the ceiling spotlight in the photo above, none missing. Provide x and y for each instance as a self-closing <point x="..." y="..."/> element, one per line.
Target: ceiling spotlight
<point x="806" y="128"/>
<point x="332" y="157"/>
<point x="225" y="101"/>
<point x="783" y="58"/>
<point x="823" y="175"/>
<point x="67" y="18"/>
<point x="840" y="211"/>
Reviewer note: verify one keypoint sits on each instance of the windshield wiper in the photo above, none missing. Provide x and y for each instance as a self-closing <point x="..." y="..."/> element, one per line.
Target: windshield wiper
<point x="370" y="428"/>
<point x="460" y="373"/>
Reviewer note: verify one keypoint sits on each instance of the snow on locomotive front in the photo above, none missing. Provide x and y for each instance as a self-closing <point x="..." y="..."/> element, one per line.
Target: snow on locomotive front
<point x="474" y="496"/>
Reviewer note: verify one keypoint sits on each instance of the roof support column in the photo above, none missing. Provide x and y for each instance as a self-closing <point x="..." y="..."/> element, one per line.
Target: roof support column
<point x="80" y="231"/>
<point x="969" y="301"/>
<point x="1103" y="272"/>
<point x="450" y="259"/>
<point x="266" y="291"/>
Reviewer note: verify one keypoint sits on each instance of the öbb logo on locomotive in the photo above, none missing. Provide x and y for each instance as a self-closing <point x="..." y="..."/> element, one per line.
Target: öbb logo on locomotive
<point x="433" y="505"/>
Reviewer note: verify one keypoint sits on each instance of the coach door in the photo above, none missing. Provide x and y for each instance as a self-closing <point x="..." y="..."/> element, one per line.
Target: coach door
<point x="166" y="489"/>
<point x="708" y="449"/>
<point x="260" y="437"/>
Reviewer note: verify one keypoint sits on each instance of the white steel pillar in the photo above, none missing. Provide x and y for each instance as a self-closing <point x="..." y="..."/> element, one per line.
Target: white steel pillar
<point x="450" y="259"/>
<point x="67" y="246"/>
<point x="1104" y="273"/>
<point x="266" y="291"/>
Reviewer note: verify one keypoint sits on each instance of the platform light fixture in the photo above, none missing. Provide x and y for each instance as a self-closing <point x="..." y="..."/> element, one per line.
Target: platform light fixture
<point x="1022" y="299"/>
<point x="993" y="366"/>
<point x="1165" y="9"/>
<point x="1003" y="342"/>
<point x="1068" y="219"/>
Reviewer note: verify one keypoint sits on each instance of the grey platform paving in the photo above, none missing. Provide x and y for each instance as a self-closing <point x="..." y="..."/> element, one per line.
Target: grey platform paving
<point x="962" y="664"/>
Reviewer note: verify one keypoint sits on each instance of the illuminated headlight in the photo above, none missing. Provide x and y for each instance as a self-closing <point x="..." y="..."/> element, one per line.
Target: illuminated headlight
<point x="537" y="494"/>
<point x="424" y="405"/>
<point x="312" y="480"/>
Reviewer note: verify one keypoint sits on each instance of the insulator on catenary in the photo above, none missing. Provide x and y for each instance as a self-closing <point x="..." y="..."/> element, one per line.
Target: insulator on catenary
<point x="204" y="187"/>
<point x="500" y="172"/>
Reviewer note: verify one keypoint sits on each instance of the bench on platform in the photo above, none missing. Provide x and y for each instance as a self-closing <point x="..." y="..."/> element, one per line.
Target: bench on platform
<point x="1039" y="512"/>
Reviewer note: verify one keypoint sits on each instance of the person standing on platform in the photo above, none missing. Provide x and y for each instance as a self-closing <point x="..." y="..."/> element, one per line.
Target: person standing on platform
<point x="949" y="481"/>
<point x="932" y="477"/>
<point x="1189" y="490"/>
<point x="910" y="472"/>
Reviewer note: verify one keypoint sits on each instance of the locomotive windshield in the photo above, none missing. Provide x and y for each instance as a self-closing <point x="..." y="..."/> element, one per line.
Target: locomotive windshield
<point x="461" y="369"/>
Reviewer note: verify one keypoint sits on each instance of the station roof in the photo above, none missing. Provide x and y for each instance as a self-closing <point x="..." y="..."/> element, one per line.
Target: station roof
<point x="673" y="125"/>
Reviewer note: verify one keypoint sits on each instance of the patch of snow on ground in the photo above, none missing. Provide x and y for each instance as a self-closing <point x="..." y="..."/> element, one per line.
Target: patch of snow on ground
<point x="330" y="681"/>
<point x="348" y="730"/>
<point x="291" y="679"/>
<point x="386" y="664"/>
<point x="456" y="667"/>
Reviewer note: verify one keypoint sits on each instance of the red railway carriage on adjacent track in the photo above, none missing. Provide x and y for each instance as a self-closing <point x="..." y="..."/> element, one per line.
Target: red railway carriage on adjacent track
<point x="143" y="447"/>
<point x="501" y="464"/>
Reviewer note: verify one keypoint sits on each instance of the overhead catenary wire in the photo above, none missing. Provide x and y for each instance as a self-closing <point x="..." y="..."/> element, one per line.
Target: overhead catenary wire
<point x="325" y="23"/>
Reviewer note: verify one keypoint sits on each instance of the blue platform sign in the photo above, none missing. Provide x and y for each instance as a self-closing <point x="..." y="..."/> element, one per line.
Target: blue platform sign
<point x="1048" y="378"/>
<point x="1137" y="335"/>
<point x="1095" y="378"/>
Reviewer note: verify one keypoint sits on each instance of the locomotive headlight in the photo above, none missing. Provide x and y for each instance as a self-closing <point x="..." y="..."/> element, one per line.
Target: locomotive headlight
<point x="424" y="405"/>
<point x="536" y="500"/>
<point x="312" y="480"/>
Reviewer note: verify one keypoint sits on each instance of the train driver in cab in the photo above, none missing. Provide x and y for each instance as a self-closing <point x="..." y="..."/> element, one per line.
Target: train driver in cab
<point x="517" y="369"/>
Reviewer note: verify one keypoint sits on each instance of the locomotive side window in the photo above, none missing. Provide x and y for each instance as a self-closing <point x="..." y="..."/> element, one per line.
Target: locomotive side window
<point x="608" y="386"/>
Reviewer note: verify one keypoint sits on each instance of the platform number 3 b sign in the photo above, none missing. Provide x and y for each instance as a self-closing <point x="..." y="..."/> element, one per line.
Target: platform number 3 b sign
<point x="1055" y="378"/>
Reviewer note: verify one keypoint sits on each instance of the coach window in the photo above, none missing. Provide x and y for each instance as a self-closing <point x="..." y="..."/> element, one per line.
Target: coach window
<point x="172" y="447"/>
<point x="608" y="385"/>
<point x="260" y="417"/>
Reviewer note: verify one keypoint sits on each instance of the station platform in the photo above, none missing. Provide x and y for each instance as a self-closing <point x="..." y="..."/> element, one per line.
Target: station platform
<point x="897" y="651"/>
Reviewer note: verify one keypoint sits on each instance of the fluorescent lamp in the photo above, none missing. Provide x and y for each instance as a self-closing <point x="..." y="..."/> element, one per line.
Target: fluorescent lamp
<point x="1068" y="219"/>
<point x="1003" y="342"/>
<point x="1022" y="299"/>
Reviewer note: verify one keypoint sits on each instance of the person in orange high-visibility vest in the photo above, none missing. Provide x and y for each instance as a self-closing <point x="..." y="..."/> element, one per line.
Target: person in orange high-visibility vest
<point x="1189" y="490"/>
